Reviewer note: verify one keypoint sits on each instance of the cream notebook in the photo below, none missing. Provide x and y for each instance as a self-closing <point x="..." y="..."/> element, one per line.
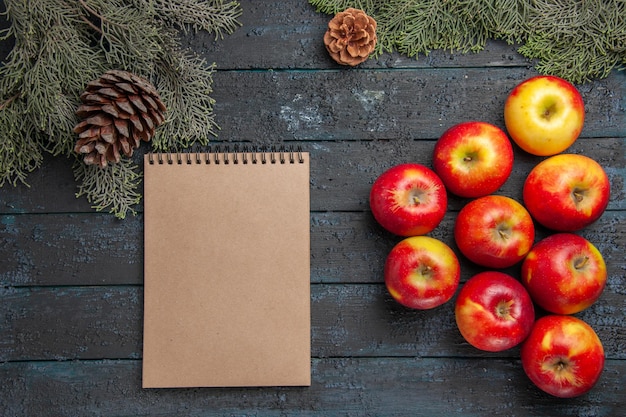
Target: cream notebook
<point x="227" y="270"/>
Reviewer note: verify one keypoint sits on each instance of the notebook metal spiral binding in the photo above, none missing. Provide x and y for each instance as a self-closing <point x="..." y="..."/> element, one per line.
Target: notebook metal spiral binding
<point x="226" y="156"/>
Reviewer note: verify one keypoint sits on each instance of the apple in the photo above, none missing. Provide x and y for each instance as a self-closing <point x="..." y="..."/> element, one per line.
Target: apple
<point x="566" y="192"/>
<point x="408" y="199"/>
<point x="544" y="115"/>
<point x="494" y="231"/>
<point x="563" y="356"/>
<point x="422" y="272"/>
<point x="564" y="273"/>
<point x="494" y="312"/>
<point x="473" y="159"/>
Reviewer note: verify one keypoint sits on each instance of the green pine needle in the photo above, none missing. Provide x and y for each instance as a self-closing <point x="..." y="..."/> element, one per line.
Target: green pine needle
<point x="218" y="18"/>
<point x="20" y="149"/>
<point x="113" y="188"/>
<point x="576" y="40"/>
<point x="189" y="92"/>
<point x="60" y="46"/>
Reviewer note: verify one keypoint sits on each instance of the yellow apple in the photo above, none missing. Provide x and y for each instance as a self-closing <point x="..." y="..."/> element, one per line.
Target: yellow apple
<point x="544" y="115"/>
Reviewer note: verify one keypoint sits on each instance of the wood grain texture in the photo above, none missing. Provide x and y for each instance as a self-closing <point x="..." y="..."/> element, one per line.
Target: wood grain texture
<point x="348" y="320"/>
<point x="386" y="104"/>
<point x="287" y="35"/>
<point x="71" y="279"/>
<point x="342" y="173"/>
<point x="355" y="387"/>
<point x="346" y="247"/>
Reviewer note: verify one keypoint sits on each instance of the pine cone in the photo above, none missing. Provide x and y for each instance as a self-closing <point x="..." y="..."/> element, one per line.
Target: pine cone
<point x="119" y="110"/>
<point x="351" y="37"/>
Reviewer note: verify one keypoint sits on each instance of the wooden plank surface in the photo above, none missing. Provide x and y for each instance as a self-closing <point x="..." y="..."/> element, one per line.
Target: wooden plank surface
<point x="391" y="104"/>
<point x="348" y="387"/>
<point x="71" y="279"/>
<point x="285" y="34"/>
<point x="348" y="320"/>
<point x="342" y="173"/>
<point x="346" y="247"/>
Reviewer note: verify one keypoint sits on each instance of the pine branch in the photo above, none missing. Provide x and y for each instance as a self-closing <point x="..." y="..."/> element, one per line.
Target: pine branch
<point x="421" y="26"/>
<point x="567" y="62"/>
<point x="186" y="85"/>
<point x="60" y="46"/>
<point x="20" y="148"/>
<point x="48" y="64"/>
<point x="114" y="188"/>
<point x="370" y="7"/>
<point x="216" y="17"/>
<point x="130" y="37"/>
<point x="578" y="40"/>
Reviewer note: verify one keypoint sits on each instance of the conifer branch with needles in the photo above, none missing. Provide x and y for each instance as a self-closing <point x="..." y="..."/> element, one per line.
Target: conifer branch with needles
<point x="60" y="46"/>
<point x="218" y="18"/>
<point x="113" y="188"/>
<point x="576" y="40"/>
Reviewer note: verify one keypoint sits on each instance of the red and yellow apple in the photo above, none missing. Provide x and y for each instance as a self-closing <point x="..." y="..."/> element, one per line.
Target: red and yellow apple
<point x="563" y="356"/>
<point x="567" y="192"/>
<point x="494" y="231"/>
<point x="544" y="115"/>
<point x="408" y="199"/>
<point x="564" y="273"/>
<point x="493" y="311"/>
<point x="422" y="272"/>
<point x="473" y="159"/>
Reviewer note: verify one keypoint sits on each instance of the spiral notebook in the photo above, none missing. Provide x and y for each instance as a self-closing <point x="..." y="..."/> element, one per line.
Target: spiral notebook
<point x="227" y="269"/>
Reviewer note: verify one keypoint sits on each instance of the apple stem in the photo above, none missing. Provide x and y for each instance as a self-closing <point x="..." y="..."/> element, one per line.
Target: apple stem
<point x="581" y="262"/>
<point x="503" y="309"/>
<point x="424" y="271"/>
<point x="547" y="114"/>
<point x="416" y="196"/>
<point x="578" y="195"/>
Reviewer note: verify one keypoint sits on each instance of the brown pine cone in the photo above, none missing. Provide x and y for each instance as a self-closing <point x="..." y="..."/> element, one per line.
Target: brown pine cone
<point x="119" y="111"/>
<point x="351" y="37"/>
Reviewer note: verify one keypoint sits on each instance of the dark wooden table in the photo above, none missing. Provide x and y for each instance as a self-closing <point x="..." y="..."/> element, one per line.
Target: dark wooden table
<point x="71" y="278"/>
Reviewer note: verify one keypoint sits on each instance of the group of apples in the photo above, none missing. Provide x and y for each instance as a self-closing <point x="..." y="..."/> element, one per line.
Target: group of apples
<point x="562" y="274"/>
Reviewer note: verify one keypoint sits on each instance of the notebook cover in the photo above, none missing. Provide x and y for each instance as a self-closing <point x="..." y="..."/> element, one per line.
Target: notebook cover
<point x="227" y="273"/>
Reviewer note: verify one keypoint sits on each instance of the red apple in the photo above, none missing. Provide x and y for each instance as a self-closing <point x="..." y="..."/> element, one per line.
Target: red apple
<point x="422" y="272"/>
<point x="564" y="273"/>
<point x="408" y="199"/>
<point x="544" y="115"/>
<point x="494" y="311"/>
<point x="494" y="231"/>
<point x="566" y="192"/>
<point x="563" y="356"/>
<point x="473" y="159"/>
